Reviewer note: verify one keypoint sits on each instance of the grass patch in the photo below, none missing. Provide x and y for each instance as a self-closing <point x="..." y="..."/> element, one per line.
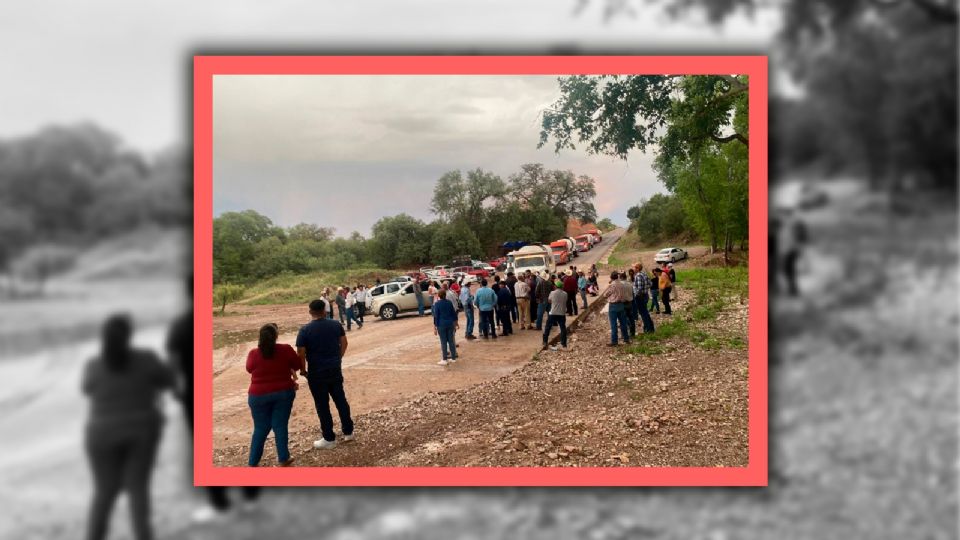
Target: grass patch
<point x="302" y="288"/>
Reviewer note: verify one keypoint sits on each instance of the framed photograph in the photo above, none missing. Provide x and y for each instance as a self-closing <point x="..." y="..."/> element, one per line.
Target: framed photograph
<point x="480" y="270"/>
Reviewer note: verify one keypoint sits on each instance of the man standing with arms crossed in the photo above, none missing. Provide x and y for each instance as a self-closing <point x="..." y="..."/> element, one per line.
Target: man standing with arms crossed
<point x="321" y="344"/>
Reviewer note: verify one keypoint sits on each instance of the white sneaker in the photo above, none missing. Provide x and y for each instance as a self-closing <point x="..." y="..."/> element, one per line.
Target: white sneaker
<point x="452" y="360"/>
<point x="324" y="444"/>
<point x="205" y="514"/>
<point x="553" y="348"/>
<point x="348" y="438"/>
<point x="442" y="363"/>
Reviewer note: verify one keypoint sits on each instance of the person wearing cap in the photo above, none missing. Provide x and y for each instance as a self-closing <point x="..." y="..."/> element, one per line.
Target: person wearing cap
<point x="521" y="291"/>
<point x="616" y="310"/>
<point x="273" y="371"/>
<point x="321" y="344"/>
<point x="672" y="273"/>
<point x="445" y="325"/>
<point x="570" y="287"/>
<point x="641" y="291"/>
<point x="557" y="316"/>
<point x="542" y="292"/>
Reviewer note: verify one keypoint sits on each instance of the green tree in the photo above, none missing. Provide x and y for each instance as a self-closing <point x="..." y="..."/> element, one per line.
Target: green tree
<point x="227" y="293"/>
<point x="456" y="198"/>
<point x="453" y="239"/>
<point x="309" y="231"/>
<point x="569" y="196"/>
<point x="606" y="225"/>
<point x="399" y="241"/>
<point x="234" y="236"/>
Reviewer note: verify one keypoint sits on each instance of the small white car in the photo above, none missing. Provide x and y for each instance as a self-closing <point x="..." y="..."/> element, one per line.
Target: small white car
<point x="670" y="254"/>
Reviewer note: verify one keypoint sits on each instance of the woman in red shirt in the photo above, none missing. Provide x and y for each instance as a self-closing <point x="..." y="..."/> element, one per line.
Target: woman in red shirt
<point x="273" y="387"/>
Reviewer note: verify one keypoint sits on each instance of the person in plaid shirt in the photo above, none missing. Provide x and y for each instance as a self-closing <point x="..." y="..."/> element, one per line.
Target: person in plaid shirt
<point x="641" y="295"/>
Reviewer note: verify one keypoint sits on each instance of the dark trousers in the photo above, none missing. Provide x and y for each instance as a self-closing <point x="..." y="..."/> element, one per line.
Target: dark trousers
<point x="559" y="320"/>
<point x="327" y="384"/>
<point x="543" y="309"/>
<point x="632" y="315"/>
<point x="505" y="320"/>
<point x="271" y="412"/>
<point x="654" y="300"/>
<point x="121" y="460"/>
<point x="641" y="303"/>
<point x="342" y="311"/>
<point x="359" y="310"/>
<point x="515" y="313"/>
<point x="572" y="303"/>
<point x="666" y="300"/>
<point x="487" y="326"/>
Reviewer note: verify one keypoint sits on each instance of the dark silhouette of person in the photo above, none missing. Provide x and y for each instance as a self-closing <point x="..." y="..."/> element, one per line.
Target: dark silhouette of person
<point x="180" y="352"/>
<point x="123" y="431"/>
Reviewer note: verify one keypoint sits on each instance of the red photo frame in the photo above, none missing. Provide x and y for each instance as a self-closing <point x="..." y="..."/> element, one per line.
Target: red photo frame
<point x="207" y="67"/>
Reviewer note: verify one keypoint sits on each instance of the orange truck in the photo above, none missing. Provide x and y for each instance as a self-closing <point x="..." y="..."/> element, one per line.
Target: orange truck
<point x="561" y="251"/>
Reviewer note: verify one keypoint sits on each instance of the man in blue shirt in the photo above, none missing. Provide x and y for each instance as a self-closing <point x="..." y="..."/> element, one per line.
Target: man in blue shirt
<point x="466" y="300"/>
<point x="445" y="325"/>
<point x="486" y="301"/>
<point x="321" y="344"/>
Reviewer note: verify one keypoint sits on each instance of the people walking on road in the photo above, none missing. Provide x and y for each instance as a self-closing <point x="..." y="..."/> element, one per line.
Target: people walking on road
<point x="570" y="287"/>
<point x="582" y="288"/>
<point x="542" y="292"/>
<point x="467" y="301"/>
<point x="663" y="282"/>
<point x="521" y="290"/>
<point x="486" y="301"/>
<point x="124" y="428"/>
<point x="641" y="290"/>
<point x="321" y="344"/>
<point x="445" y="325"/>
<point x="418" y="293"/>
<point x="505" y="303"/>
<point x="616" y="310"/>
<point x="273" y="372"/>
<point x="557" y="316"/>
<point x="351" y="303"/>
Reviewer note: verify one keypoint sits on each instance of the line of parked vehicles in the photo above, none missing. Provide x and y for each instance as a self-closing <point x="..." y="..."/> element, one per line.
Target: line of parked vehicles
<point x="397" y="296"/>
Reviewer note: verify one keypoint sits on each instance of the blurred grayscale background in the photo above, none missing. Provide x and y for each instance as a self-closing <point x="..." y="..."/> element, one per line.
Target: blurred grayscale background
<point x="95" y="209"/>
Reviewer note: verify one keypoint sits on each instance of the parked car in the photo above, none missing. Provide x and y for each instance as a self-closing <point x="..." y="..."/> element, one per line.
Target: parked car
<point x="400" y="279"/>
<point x="397" y="298"/>
<point x="670" y="254"/>
<point x="473" y="271"/>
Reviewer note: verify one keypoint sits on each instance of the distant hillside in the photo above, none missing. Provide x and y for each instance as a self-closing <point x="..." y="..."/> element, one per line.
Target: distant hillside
<point x="150" y="252"/>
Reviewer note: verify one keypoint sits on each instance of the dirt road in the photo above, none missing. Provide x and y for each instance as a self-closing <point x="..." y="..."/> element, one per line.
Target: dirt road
<point x="388" y="362"/>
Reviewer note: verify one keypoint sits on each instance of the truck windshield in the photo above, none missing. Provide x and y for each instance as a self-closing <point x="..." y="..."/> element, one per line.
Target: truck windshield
<point x="527" y="262"/>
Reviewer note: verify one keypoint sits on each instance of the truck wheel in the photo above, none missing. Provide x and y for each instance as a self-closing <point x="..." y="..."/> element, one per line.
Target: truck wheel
<point x="388" y="312"/>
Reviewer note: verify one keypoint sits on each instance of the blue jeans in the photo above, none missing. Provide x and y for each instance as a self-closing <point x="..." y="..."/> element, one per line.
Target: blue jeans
<point x="270" y="412"/>
<point x="351" y="317"/>
<point x="559" y="320"/>
<point x="632" y="315"/>
<point x="342" y="312"/>
<point x="618" y="314"/>
<point x="469" y="313"/>
<point x="542" y="308"/>
<point x="487" y="326"/>
<point x="420" y="305"/>
<point x="655" y="304"/>
<point x="448" y="347"/>
<point x="583" y="295"/>
<point x="641" y="303"/>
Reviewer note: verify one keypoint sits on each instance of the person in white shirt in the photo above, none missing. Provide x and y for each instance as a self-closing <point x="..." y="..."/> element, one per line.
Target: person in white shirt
<point x="361" y="296"/>
<point x="351" y="304"/>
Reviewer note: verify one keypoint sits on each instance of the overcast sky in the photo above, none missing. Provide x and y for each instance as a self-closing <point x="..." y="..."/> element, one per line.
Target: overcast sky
<point x="344" y="151"/>
<point x="126" y="65"/>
